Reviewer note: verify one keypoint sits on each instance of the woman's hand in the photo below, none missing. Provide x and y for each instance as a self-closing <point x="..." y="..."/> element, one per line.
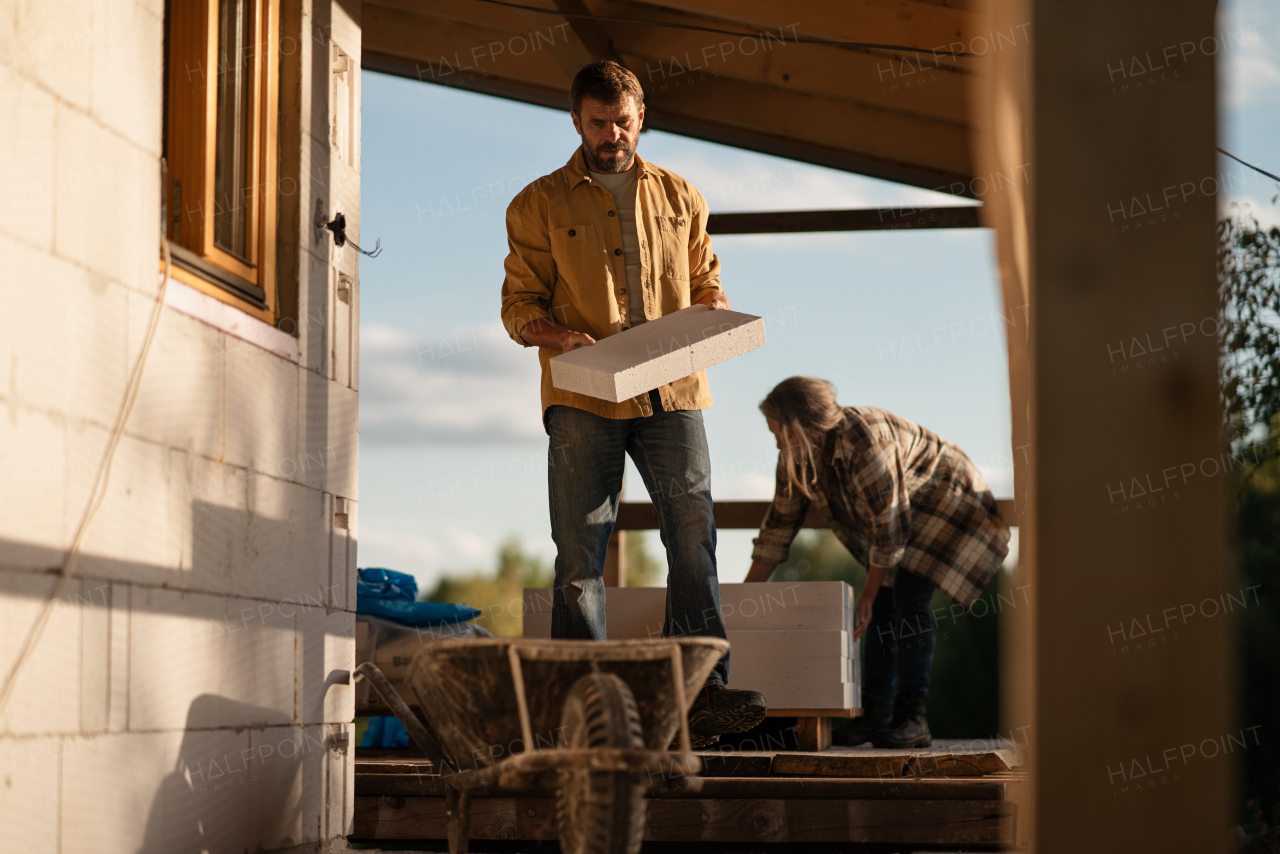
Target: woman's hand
<point x="863" y="613"/>
<point x="760" y="571"/>
<point x="865" y="604"/>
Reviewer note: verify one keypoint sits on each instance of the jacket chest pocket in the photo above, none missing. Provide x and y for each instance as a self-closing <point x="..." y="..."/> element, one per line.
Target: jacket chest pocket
<point x="579" y="255"/>
<point x="673" y="250"/>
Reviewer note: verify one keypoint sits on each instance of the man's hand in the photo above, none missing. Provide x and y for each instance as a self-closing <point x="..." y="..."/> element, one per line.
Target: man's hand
<point x="714" y="299"/>
<point x="574" y="340"/>
<point x="545" y="332"/>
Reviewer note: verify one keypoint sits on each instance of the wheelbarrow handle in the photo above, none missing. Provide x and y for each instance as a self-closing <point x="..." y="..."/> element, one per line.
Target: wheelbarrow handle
<point x="418" y="734"/>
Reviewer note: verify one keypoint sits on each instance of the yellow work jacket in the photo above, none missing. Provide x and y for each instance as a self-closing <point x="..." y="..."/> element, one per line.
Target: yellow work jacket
<point x="566" y="262"/>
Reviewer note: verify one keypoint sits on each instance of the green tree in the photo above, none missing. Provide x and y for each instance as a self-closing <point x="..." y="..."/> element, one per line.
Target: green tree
<point x="642" y="569"/>
<point x="499" y="595"/>
<point x="1249" y="337"/>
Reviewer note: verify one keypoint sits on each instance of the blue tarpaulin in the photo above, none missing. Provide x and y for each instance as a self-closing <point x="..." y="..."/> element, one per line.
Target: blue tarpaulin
<point x="391" y="595"/>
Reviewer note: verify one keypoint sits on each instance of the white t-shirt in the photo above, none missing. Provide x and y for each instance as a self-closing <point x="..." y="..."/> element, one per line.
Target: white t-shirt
<point x="622" y="186"/>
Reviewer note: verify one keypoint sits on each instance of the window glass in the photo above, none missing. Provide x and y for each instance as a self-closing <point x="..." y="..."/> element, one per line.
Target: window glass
<point x="232" y="156"/>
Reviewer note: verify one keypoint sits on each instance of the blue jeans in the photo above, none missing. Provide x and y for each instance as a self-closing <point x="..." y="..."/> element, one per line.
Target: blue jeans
<point x="899" y="640"/>
<point x="584" y="472"/>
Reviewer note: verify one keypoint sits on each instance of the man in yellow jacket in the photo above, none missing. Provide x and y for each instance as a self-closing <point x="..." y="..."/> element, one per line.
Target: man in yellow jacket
<point x="607" y="242"/>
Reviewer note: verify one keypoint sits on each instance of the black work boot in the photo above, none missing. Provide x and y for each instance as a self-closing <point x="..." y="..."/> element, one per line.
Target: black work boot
<point x="875" y="717"/>
<point x="718" y="710"/>
<point x="907" y="728"/>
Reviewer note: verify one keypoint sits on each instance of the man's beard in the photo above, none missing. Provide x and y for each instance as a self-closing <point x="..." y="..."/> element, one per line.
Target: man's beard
<point x="599" y="164"/>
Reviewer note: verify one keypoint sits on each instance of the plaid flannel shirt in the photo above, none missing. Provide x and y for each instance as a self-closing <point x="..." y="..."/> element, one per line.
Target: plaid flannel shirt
<point x="899" y="496"/>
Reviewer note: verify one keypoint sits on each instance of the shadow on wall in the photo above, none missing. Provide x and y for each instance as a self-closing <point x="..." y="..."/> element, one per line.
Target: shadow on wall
<point x="239" y="790"/>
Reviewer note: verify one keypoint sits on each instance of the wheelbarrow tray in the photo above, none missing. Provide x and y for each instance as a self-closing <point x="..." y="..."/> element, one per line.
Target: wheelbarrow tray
<point x="490" y="699"/>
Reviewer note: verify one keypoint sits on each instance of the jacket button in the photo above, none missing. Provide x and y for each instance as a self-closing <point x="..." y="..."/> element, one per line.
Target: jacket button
<point x="617" y="252"/>
<point x="572" y="232"/>
<point x="622" y="290"/>
<point x="610" y="213"/>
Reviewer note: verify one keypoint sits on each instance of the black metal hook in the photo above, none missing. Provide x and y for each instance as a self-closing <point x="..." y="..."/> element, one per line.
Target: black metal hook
<point x="339" y="229"/>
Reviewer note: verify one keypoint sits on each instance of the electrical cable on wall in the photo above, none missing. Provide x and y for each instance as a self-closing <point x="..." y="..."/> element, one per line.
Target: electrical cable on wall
<point x="98" y="490"/>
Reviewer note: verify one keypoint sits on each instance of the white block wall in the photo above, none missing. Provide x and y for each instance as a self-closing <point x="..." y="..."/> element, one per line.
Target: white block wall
<point x="188" y="692"/>
<point x="793" y="641"/>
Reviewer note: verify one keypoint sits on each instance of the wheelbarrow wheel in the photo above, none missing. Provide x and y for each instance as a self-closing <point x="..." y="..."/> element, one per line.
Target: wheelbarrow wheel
<point x="600" y="812"/>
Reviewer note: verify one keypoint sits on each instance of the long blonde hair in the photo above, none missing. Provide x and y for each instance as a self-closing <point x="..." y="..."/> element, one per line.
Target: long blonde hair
<point x="803" y="407"/>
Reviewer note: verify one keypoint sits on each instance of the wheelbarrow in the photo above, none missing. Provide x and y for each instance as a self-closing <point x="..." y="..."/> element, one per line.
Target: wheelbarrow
<point x="593" y="720"/>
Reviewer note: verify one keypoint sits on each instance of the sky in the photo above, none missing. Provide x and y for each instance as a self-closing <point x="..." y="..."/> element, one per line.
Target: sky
<point x="452" y="449"/>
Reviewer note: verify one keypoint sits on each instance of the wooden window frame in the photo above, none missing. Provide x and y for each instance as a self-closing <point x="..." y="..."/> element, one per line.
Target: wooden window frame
<point x="190" y="151"/>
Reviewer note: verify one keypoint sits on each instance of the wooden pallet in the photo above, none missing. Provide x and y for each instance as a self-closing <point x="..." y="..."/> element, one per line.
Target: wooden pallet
<point x="954" y="794"/>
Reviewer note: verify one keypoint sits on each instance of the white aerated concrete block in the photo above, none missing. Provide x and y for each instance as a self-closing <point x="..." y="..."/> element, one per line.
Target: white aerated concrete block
<point x="128" y="47"/>
<point x="100" y="178"/>
<point x="644" y="357"/>
<point x="285" y="763"/>
<point x="325" y="658"/>
<point x="792" y="670"/>
<point x="789" y="644"/>
<point x="53" y="44"/>
<point x="176" y="641"/>
<point x="116" y="789"/>
<point x="180" y="397"/>
<point x="26" y="160"/>
<point x="29" y="795"/>
<point x="33" y="489"/>
<point x="262" y="411"/>
<point x="329" y="435"/>
<point x="812" y="695"/>
<point x="792" y="641"/>
<point x="46" y="697"/>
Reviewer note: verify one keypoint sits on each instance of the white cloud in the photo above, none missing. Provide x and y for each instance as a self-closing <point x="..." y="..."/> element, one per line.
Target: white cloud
<point x="1267" y="214"/>
<point x="397" y="548"/>
<point x="1250" y="73"/>
<point x="467" y="386"/>
<point x="470" y="546"/>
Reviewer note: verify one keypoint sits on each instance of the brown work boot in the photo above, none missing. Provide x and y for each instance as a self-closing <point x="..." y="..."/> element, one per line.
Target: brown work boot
<point x="875" y="717"/>
<point x="907" y="729"/>
<point x="718" y="710"/>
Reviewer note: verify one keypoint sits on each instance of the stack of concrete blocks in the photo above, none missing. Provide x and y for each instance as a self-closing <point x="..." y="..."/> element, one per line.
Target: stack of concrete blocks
<point x="653" y="354"/>
<point x="791" y="641"/>
<point x="191" y="690"/>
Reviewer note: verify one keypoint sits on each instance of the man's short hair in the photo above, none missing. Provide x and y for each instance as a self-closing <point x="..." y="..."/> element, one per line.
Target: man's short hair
<point x="605" y="81"/>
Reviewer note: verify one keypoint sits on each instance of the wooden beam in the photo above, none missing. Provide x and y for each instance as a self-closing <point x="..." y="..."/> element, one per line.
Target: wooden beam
<point x="640" y="516"/>
<point x="889" y="765"/>
<point x="925" y="26"/>
<point x="865" y="219"/>
<point x="739" y="820"/>
<point x="894" y="144"/>
<point x="407" y="785"/>
<point x="924" y="84"/>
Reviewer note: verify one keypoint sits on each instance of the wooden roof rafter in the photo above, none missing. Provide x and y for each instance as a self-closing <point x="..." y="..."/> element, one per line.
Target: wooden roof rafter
<point x="885" y="114"/>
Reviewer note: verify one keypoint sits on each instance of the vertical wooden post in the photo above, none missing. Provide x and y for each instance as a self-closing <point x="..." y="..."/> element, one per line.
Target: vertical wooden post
<point x="1082" y="153"/>
<point x="813" y="733"/>
<point x="615" y="559"/>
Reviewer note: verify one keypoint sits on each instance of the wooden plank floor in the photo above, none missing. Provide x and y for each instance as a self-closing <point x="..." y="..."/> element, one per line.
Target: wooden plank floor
<point x="952" y="794"/>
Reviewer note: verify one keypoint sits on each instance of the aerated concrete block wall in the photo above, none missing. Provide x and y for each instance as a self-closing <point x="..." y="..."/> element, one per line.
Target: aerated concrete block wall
<point x="191" y="689"/>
